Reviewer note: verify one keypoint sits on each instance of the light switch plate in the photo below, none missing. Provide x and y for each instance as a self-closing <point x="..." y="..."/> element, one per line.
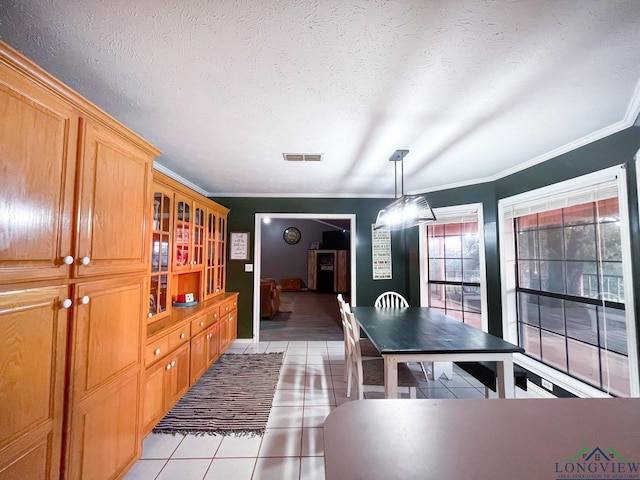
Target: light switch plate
<point x="248" y="267"/>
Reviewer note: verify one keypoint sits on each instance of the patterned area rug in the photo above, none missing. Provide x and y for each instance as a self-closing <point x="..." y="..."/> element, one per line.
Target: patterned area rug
<point x="233" y="397"/>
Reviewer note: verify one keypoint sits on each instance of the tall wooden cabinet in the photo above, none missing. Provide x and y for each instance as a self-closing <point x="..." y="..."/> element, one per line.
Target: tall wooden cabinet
<point x="74" y="260"/>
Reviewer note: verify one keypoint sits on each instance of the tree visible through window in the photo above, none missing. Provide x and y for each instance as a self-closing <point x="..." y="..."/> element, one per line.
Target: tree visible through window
<point x="570" y="294"/>
<point x="454" y="271"/>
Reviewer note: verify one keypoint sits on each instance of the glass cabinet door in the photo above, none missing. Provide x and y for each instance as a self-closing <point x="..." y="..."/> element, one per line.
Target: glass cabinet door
<point x="160" y="248"/>
<point x="215" y="254"/>
<point x="182" y="239"/>
<point x="198" y="237"/>
<point x="221" y="253"/>
<point x="210" y="265"/>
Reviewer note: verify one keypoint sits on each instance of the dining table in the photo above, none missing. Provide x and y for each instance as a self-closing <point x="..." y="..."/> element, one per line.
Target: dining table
<point x="424" y="334"/>
<point x="479" y="439"/>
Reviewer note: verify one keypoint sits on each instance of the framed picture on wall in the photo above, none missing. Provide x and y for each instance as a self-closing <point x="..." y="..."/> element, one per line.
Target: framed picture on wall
<point x="239" y="246"/>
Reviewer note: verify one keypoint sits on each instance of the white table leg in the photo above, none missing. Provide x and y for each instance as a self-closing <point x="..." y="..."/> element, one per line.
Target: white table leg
<point x="506" y="383"/>
<point x="390" y="377"/>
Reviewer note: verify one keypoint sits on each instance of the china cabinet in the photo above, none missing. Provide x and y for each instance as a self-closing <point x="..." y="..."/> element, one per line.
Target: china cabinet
<point x="188" y="306"/>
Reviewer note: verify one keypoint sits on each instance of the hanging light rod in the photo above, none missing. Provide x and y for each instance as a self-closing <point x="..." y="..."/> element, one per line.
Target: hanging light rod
<point x="406" y="211"/>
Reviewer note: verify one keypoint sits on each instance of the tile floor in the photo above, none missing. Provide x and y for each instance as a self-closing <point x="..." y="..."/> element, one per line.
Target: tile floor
<point x="311" y="384"/>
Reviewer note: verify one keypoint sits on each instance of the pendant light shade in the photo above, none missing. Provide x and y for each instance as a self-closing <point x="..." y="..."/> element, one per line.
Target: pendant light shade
<point x="406" y="211"/>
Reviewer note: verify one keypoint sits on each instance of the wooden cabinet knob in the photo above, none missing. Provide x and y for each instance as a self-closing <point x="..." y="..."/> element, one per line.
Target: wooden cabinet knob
<point x="182" y="335"/>
<point x="169" y="366"/>
<point x="202" y="324"/>
<point x="157" y="352"/>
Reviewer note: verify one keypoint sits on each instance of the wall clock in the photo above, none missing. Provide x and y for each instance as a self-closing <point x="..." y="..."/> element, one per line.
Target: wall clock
<point x="292" y="235"/>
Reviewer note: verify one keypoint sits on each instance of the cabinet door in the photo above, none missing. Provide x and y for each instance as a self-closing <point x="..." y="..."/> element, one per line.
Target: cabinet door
<point x="211" y="287"/>
<point x="233" y="326"/>
<point x="198" y="244"/>
<point x="198" y="356"/>
<point x="161" y="228"/>
<point x="32" y="374"/>
<point x="114" y="196"/>
<point x="177" y="376"/>
<point x="38" y="138"/>
<point x="107" y="331"/>
<point x="182" y="226"/>
<point x="213" y="343"/>
<point x="153" y="396"/>
<point x="104" y="437"/>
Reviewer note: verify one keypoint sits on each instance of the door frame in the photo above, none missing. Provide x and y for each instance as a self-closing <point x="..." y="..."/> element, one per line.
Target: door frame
<point x="257" y="248"/>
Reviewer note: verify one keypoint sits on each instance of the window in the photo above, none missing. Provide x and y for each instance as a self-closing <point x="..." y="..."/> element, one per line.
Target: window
<point x="568" y="290"/>
<point x="453" y="264"/>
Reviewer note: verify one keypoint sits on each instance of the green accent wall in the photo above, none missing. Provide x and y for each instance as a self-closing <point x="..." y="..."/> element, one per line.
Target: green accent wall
<point x="242" y="219"/>
<point x="616" y="149"/>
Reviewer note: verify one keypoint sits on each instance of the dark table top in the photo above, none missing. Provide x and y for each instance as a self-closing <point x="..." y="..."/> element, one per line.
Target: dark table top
<point x="425" y="330"/>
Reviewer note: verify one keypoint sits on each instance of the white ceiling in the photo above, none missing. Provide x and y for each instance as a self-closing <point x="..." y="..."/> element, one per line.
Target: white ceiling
<point x="474" y="89"/>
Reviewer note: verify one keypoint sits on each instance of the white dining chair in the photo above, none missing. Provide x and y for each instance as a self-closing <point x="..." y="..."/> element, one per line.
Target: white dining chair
<point x="369" y="375"/>
<point x="390" y="300"/>
<point x="395" y="300"/>
<point x="369" y="351"/>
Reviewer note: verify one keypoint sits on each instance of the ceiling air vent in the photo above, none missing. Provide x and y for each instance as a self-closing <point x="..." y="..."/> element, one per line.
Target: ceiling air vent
<point x="302" y="157"/>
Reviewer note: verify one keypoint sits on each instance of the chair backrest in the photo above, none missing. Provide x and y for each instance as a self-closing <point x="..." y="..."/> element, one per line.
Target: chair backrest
<point x="354" y="345"/>
<point x="390" y="300"/>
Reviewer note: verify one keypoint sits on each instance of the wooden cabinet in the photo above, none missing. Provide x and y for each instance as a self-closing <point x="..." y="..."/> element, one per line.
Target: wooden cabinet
<point x="165" y="383"/>
<point x="189" y="229"/>
<point x="328" y="270"/>
<point x="38" y="141"/>
<point x="205" y="343"/>
<point x="204" y="331"/>
<point x="198" y="356"/>
<point x="112" y="227"/>
<point x="75" y="195"/>
<point x="228" y="323"/>
<point x="32" y="374"/>
<point x="105" y="438"/>
<point x="104" y="383"/>
<point x="197" y="242"/>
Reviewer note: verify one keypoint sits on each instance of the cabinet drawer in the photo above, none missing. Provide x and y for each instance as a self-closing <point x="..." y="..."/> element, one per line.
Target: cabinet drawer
<point x="156" y="350"/>
<point x="228" y="306"/>
<point x="178" y="336"/>
<point x="214" y="315"/>
<point x="199" y="324"/>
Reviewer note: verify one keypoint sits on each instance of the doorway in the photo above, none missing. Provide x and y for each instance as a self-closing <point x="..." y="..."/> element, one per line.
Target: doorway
<point x="258" y="260"/>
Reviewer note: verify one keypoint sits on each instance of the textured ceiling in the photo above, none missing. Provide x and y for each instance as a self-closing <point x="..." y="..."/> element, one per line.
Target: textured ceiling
<point x="474" y="89"/>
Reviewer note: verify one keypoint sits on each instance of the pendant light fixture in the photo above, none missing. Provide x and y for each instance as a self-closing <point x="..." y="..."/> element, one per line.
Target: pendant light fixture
<point x="406" y="211"/>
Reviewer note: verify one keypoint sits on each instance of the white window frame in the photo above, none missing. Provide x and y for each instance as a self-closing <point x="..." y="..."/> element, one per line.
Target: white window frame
<point x="508" y="279"/>
<point x="456" y="214"/>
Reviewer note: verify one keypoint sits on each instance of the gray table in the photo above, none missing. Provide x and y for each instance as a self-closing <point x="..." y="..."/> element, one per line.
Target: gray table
<point x="483" y="439"/>
<point x="422" y="334"/>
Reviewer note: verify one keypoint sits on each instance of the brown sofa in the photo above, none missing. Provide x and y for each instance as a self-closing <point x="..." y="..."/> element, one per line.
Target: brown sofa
<point x="269" y="298"/>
